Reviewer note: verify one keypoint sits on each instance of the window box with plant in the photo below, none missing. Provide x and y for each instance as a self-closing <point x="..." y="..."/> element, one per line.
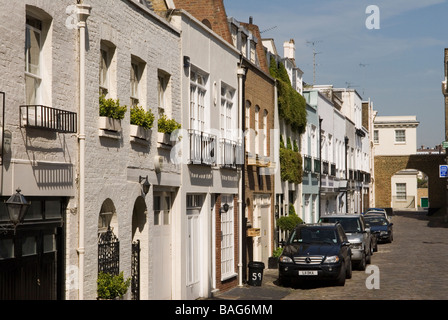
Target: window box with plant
<point x="112" y="287"/>
<point x="111" y="114"/>
<point x="165" y="128"/>
<point x="141" y="123"/>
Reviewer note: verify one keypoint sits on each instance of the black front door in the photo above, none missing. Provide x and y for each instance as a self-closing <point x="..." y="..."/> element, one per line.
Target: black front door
<point x="29" y="265"/>
<point x="31" y="260"/>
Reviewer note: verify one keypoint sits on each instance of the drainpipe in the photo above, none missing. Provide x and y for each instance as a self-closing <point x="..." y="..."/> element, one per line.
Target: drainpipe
<point x="241" y="74"/>
<point x="83" y="13"/>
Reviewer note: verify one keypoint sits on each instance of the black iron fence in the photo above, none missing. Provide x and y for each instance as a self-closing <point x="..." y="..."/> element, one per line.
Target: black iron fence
<point x="38" y="116"/>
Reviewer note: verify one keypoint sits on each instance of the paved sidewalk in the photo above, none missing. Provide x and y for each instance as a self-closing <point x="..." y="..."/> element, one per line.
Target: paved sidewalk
<point x="268" y="290"/>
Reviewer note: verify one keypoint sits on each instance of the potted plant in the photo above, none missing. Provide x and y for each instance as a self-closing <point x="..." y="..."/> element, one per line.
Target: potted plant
<point x="112" y="287"/>
<point x="141" y="122"/>
<point x="111" y="114"/>
<point x="165" y="128"/>
<point x="273" y="261"/>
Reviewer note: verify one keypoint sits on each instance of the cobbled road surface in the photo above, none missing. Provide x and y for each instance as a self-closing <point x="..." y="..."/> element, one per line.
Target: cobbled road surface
<point x="413" y="266"/>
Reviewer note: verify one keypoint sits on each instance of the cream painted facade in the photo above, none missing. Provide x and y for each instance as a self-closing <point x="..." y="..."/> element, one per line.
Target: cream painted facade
<point x="397" y="135"/>
<point x="210" y="177"/>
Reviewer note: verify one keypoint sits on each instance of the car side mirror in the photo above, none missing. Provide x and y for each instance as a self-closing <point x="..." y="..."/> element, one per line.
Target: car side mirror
<point x="367" y="230"/>
<point x="346" y="243"/>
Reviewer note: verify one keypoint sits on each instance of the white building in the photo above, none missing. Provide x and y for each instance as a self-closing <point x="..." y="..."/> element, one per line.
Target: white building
<point x="89" y="176"/>
<point x="206" y="229"/>
<point x="396" y="136"/>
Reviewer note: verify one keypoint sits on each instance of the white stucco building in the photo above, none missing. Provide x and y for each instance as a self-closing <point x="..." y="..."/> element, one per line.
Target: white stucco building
<point x="206" y="230"/>
<point x="396" y="136"/>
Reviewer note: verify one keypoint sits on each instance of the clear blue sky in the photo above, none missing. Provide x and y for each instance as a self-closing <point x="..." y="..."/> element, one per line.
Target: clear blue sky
<point x="398" y="66"/>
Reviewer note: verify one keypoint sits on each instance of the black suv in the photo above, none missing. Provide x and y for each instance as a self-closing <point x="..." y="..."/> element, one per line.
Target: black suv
<point x="315" y="252"/>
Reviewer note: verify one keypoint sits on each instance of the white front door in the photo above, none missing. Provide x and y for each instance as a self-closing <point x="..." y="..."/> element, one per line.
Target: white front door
<point x="162" y="246"/>
<point x="193" y="246"/>
<point x="262" y="217"/>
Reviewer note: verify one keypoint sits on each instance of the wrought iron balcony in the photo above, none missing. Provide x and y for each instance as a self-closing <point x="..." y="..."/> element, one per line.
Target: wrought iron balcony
<point x="42" y="117"/>
<point x="231" y="154"/>
<point x="202" y="148"/>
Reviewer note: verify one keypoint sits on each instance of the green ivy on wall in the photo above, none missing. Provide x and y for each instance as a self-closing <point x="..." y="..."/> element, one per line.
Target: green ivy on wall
<point x="291" y="104"/>
<point x="291" y="166"/>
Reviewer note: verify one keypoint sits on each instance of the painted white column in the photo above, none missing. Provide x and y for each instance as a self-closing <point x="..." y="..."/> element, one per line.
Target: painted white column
<point x="83" y="13"/>
<point x="241" y="74"/>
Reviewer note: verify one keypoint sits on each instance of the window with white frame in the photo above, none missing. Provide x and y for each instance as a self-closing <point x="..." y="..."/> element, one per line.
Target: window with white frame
<point x="33" y="53"/>
<point x="227" y="238"/>
<point x="265" y="133"/>
<point x="247" y="126"/>
<point x="105" y="70"/>
<point x="227" y="113"/>
<point x="401" y="191"/>
<point x="198" y="92"/>
<point x="257" y="129"/>
<point x="400" y="136"/>
<point x="376" y="136"/>
<point x="164" y="103"/>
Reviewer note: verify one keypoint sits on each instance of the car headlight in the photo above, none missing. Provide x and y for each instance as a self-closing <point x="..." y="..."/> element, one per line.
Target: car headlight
<point x="285" y="259"/>
<point x="331" y="259"/>
<point x="383" y="233"/>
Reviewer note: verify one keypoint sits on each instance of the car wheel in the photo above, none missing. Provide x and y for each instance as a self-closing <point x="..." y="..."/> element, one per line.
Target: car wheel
<point x="369" y="257"/>
<point x="283" y="282"/>
<point x="340" y="281"/>
<point x="362" y="263"/>
<point x="348" y="273"/>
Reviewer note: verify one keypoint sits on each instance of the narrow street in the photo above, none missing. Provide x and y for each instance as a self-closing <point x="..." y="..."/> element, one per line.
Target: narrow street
<point x="413" y="266"/>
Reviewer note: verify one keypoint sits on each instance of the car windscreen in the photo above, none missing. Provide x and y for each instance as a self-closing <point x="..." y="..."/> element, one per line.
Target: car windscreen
<point x="376" y="221"/>
<point x="313" y="235"/>
<point x="348" y="224"/>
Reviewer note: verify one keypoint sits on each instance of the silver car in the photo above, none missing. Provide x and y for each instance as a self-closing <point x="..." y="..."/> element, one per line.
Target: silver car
<point x="358" y="235"/>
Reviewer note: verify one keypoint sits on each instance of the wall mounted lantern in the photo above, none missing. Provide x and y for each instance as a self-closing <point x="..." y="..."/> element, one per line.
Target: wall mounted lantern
<point x="145" y="185"/>
<point x="224" y="208"/>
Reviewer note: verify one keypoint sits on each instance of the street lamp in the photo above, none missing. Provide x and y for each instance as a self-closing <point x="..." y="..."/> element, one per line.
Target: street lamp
<point x="17" y="207"/>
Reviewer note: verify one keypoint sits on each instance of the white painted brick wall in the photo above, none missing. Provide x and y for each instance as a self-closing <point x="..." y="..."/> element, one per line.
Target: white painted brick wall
<point x="113" y="166"/>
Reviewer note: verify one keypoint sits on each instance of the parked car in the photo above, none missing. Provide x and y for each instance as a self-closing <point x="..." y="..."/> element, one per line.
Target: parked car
<point x="316" y="252"/>
<point x="379" y="211"/>
<point x="358" y="234"/>
<point x="381" y="227"/>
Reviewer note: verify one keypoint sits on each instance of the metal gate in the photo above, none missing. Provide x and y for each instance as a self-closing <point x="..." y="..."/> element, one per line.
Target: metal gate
<point x="135" y="272"/>
<point x="108" y="253"/>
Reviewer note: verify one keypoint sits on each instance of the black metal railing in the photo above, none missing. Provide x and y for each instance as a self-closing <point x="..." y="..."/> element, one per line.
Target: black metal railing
<point x="135" y="270"/>
<point x="38" y="116"/>
<point x="108" y="253"/>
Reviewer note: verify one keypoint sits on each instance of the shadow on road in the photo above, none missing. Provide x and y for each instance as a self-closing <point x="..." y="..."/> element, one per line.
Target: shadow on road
<point x="436" y="220"/>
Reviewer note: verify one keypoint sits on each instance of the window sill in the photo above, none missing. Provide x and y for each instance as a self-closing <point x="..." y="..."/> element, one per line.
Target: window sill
<point x="229" y="276"/>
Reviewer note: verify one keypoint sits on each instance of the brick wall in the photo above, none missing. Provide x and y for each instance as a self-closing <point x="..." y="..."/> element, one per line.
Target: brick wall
<point x="211" y="10"/>
<point x="387" y="166"/>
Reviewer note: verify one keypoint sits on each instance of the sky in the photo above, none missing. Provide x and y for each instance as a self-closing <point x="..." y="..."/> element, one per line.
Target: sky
<point x="393" y="56"/>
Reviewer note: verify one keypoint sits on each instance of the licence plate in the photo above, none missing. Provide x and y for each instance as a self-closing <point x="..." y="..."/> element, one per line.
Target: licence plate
<point x="307" y="273"/>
